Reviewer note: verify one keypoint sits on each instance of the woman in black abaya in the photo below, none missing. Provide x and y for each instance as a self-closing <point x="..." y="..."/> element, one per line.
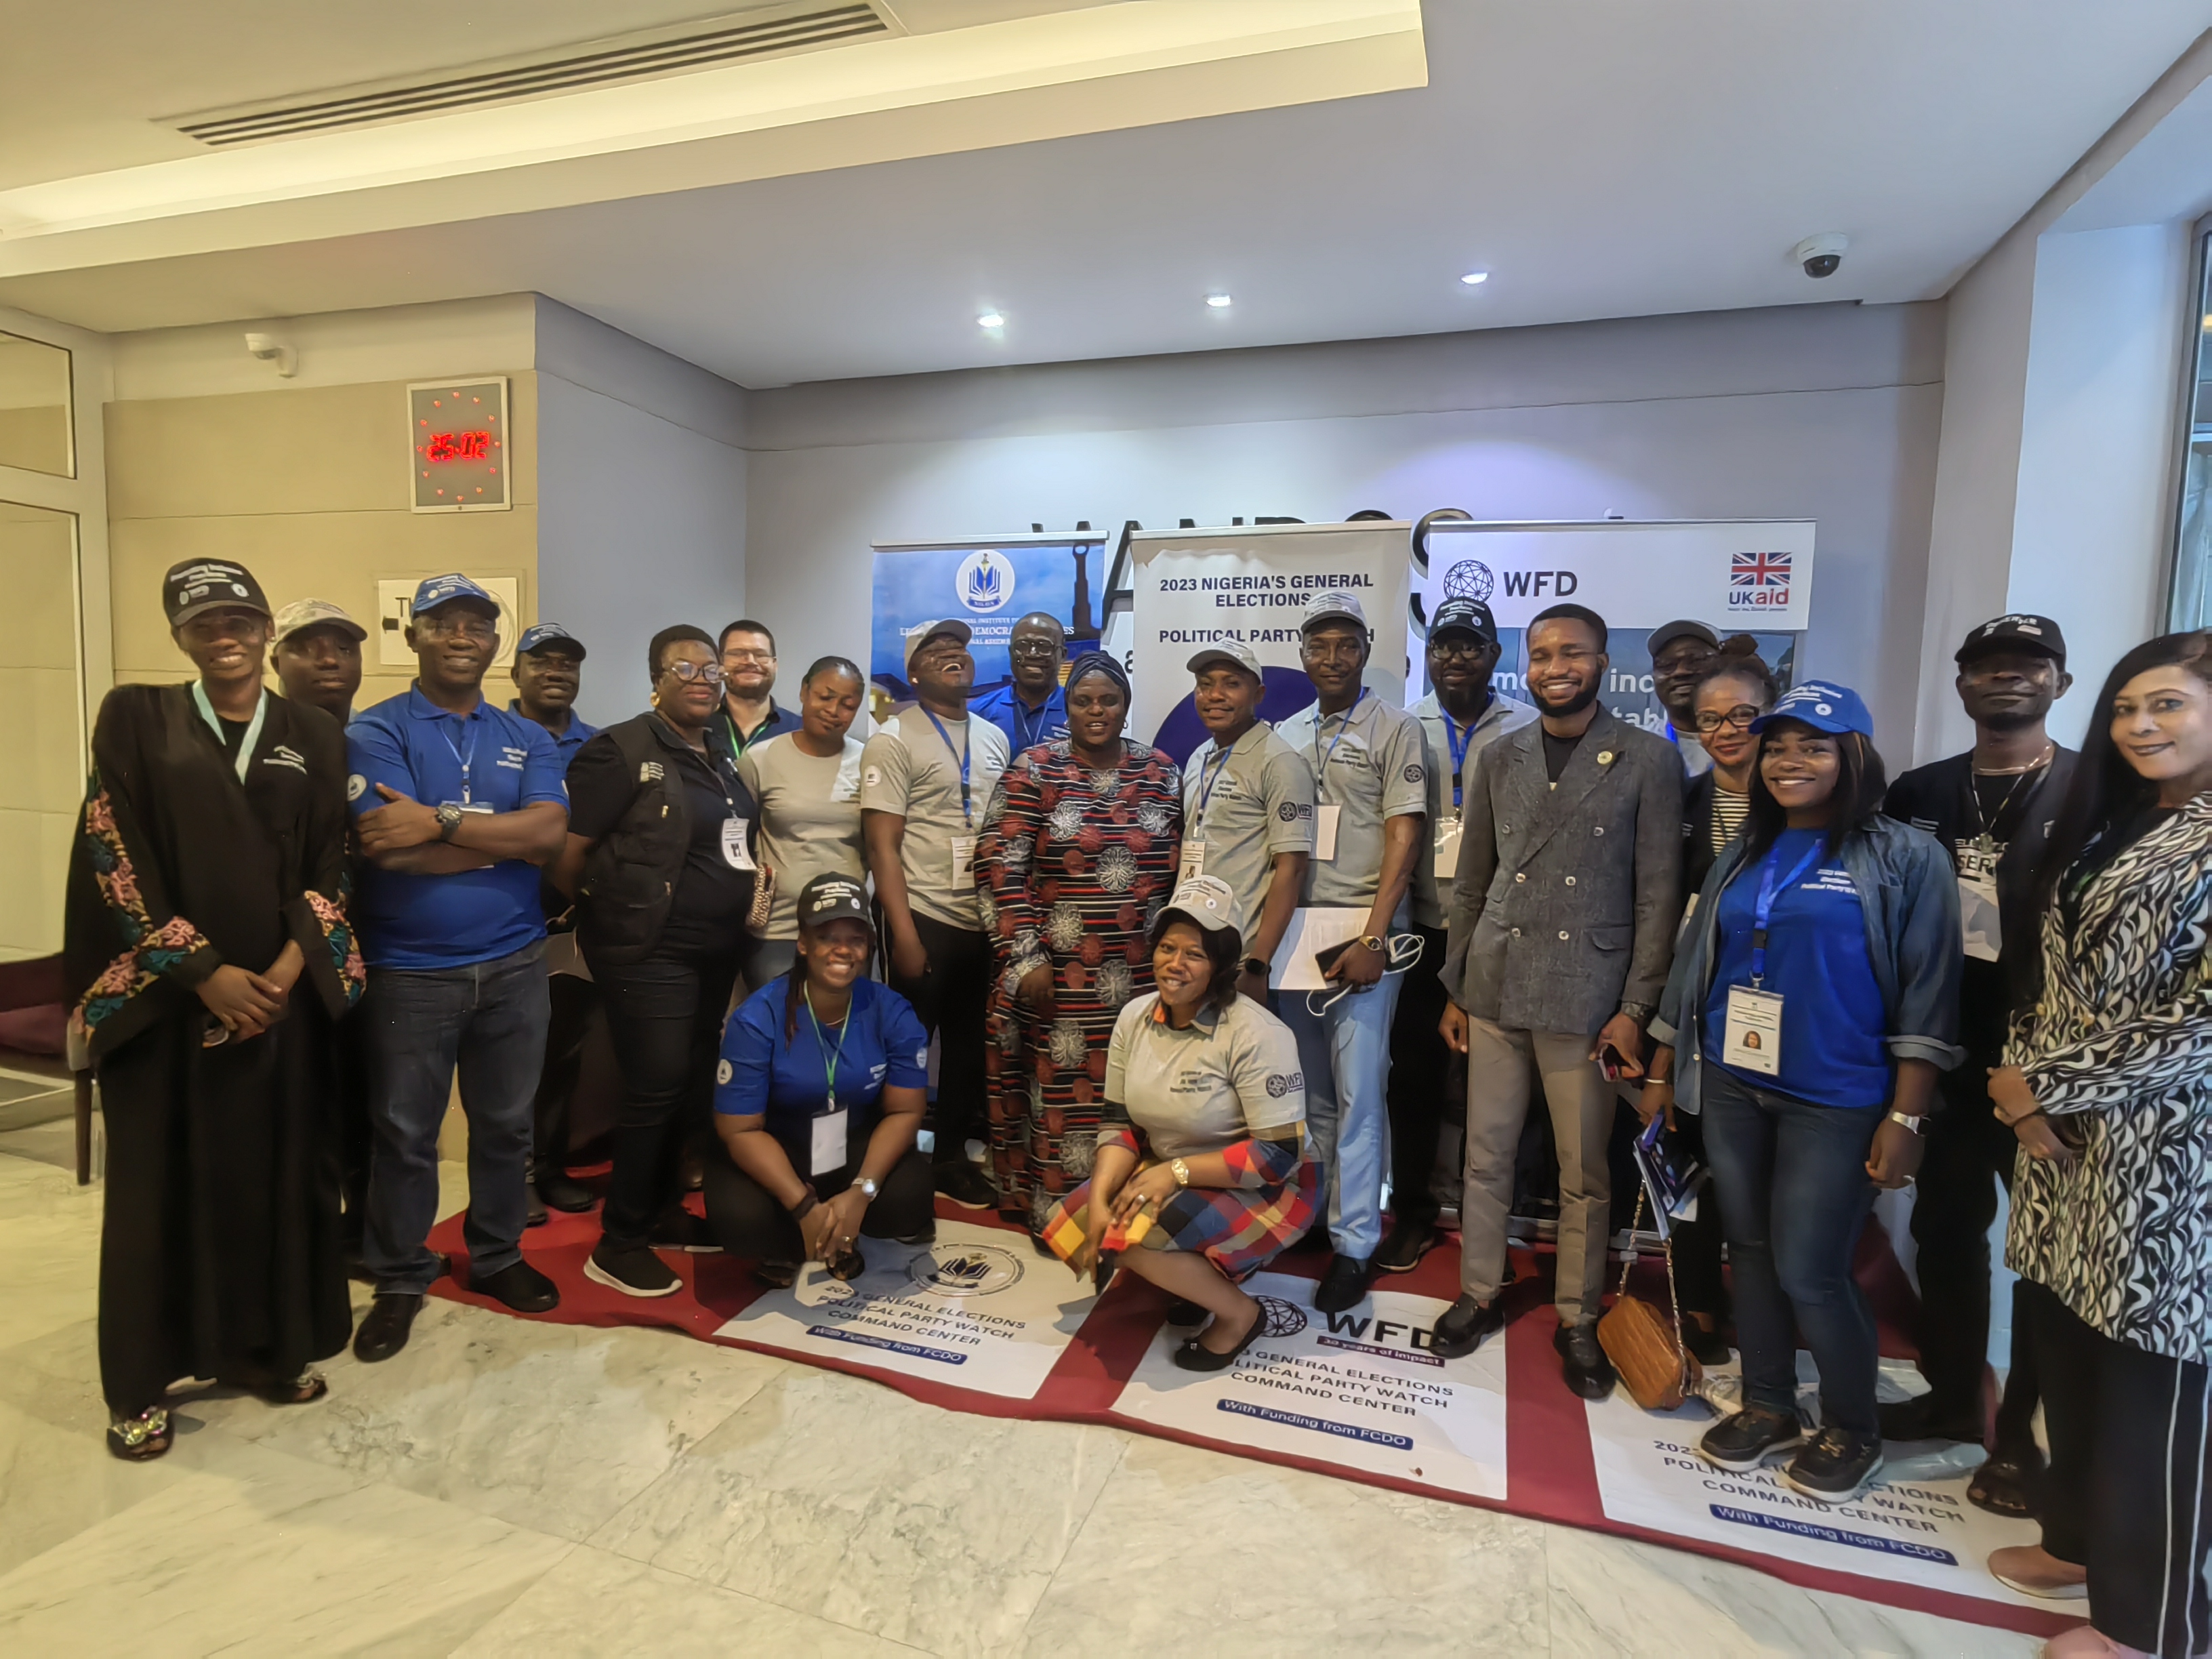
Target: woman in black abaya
<point x="206" y="883"/>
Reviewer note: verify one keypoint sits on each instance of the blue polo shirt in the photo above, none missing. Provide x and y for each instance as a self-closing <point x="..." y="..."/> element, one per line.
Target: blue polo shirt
<point x="762" y="1072"/>
<point x="1003" y="707"/>
<point x="580" y="733"/>
<point x="410" y="744"/>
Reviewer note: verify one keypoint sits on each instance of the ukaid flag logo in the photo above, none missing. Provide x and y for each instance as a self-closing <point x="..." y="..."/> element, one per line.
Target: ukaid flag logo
<point x="1758" y="581"/>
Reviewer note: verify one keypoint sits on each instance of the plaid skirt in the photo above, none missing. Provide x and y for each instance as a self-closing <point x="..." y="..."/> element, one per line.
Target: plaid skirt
<point x="1238" y="1229"/>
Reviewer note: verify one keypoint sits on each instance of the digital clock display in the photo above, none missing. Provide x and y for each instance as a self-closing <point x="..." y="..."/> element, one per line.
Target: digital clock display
<point x="457" y="434"/>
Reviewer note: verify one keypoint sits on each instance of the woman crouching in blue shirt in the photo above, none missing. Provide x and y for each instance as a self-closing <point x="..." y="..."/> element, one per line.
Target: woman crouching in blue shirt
<point x="1814" y="1000"/>
<point x="824" y="1078"/>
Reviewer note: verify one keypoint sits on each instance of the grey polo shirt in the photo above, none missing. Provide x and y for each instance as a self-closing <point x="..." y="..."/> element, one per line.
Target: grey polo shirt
<point x="1257" y="804"/>
<point x="1232" y="1074"/>
<point x="1371" y="762"/>
<point x="1432" y="893"/>
<point x="810" y="819"/>
<point x="909" y="770"/>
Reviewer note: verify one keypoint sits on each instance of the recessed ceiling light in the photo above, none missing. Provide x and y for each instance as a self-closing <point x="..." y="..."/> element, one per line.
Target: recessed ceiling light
<point x="991" y="320"/>
<point x="1476" y="278"/>
<point x="1218" y="301"/>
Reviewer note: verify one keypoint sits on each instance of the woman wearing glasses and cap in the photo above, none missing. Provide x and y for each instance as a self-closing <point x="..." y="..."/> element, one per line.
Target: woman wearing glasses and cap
<point x="1203" y="1173"/>
<point x="206" y="882"/>
<point x="660" y="861"/>
<point x="1078" y="853"/>
<point x="817" y="1100"/>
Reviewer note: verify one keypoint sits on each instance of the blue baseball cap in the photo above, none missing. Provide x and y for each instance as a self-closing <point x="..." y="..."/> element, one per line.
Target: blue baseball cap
<point x="545" y="634"/>
<point x="1823" y="706"/>
<point x="434" y="591"/>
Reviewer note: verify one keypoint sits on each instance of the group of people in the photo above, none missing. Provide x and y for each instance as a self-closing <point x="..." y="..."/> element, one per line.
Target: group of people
<point x="1824" y="982"/>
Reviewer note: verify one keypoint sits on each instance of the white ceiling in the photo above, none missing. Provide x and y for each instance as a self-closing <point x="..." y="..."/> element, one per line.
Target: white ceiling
<point x="1600" y="157"/>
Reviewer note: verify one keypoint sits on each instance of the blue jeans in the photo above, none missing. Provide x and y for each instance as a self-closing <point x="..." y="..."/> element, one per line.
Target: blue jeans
<point x="489" y="1018"/>
<point x="1346" y="1056"/>
<point x="1792" y="1183"/>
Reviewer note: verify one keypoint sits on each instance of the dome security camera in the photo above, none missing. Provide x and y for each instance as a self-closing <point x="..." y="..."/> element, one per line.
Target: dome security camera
<point x="1821" y="255"/>
<point x="269" y="349"/>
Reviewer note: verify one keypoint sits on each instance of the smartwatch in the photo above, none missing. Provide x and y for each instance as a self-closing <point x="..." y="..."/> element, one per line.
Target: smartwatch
<point x="1255" y="965"/>
<point x="449" y="819"/>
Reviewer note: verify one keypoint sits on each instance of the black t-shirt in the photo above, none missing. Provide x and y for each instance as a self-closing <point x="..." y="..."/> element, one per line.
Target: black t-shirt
<point x="1558" y="752"/>
<point x="712" y="896"/>
<point x="233" y="734"/>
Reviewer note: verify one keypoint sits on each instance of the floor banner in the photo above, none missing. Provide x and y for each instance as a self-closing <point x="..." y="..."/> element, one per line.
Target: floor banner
<point x="977" y="1310"/>
<point x="1359" y="1389"/>
<point x="1914" y="1526"/>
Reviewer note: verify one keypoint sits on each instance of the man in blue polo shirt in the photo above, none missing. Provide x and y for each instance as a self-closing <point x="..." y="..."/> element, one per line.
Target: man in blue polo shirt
<point x="1031" y="707"/>
<point x="457" y="804"/>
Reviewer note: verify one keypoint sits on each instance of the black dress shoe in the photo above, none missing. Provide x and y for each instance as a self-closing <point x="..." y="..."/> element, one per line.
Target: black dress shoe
<point x="966" y="1185"/>
<point x="1921" y="1419"/>
<point x="519" y="1285"/>
<point x="384" y="1329"/>
<point x="569" y="1197"/>
<point x="1194" y="1355"/>
<point x="533" y="1206"/>
<point x="1583" y="1362"/>
<point x="1464" y="1325"/>
<point x="1836" y="1467"/>
<point x="1344" y="1284"/>
<point x="1402" y="1251"/>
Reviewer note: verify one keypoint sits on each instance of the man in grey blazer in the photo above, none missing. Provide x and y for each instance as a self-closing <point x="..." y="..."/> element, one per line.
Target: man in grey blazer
<point x="1562" y="928"/>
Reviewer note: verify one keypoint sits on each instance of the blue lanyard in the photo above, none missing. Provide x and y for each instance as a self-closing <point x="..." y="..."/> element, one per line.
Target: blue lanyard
<point x="215" y="725"/>
<point x="467" y="757"/>
<point x="829" y="1059"/>
<point x="1458" y="742"/>
<point x="1030" y="731"/>
<point x="967" y="743"/>
<point x="1763" y="907"/>
<point x="1209" y="774"/>
<point x="1343" y="725"/>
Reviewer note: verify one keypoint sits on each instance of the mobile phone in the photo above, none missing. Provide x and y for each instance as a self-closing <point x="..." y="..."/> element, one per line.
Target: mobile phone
<point x="1610" y="1065"/>
<point x="1328" y="958"/>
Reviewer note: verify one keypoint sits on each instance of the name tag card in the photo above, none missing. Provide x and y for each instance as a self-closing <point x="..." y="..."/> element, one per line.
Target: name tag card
<point x="1752" y="1039"/>
<point x="829" y="1149"/>
<point x="1325" y="817"/>
<point x="1192" y="862"/>
<point x="1979" y="918"/>
<point x="734" y="851"/>
<point x="1447" y="853"/>
<point x="963" y="863"/>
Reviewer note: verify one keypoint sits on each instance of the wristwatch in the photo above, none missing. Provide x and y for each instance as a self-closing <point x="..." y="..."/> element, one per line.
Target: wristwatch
<point x="449" y="819"/>
<point x="1375" y="942"/>
<point x="1181" y="1171"/>
<point x="1907" y="1120"/>
<point x="1255" y="965"/>
<point x="867" y="1189"/>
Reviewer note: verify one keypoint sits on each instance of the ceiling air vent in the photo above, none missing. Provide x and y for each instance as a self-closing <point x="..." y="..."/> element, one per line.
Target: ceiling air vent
<point x="594" y="63"/>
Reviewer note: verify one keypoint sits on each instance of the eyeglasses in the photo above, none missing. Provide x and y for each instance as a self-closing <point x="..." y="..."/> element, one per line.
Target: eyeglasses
<point x="1712" y="720"/>
<point x="710" y="673"/>
<point x="747" y="653"/>
<point x="1032" y="648"/>
<point x="1464" y="646"/>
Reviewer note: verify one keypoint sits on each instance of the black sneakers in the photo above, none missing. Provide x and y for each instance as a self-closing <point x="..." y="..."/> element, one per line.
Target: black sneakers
<point x="1464" y="1325"/>
<point x="570" y="1197"/>
<point x="1402" y="1251"/>
<point x="1741" y="1443"/>
<point x="519" y="1285"/>
<point x="635" y="1271"/>
<point x="966" y="1185"/>
<point x="1836" y="1467"/>
<point x="1343" y="1285"/>
<point x="1583" y="1362"/>
<point x="1709" y="1348"/>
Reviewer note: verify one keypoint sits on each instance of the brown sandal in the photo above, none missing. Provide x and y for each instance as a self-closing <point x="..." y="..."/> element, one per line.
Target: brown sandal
<point x="2006" y="1484"/>
<point x="302" y="1390"/>
<point x="142" y="1438"/>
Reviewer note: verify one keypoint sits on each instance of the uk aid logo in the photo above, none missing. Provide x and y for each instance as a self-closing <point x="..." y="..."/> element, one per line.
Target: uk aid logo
<point x="985" y="581"/>
<point x="1759" y="581"/>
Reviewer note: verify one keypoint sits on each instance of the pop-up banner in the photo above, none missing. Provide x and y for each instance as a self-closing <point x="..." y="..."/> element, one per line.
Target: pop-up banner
<point x="1738" y="576"/>
<point x="1198" y="588"/>
<point x="990" y="584"/>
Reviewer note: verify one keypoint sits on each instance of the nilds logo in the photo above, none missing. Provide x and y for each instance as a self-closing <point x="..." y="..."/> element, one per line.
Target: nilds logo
<point x="964" y="1269"/>
<point x="985" y="581"/>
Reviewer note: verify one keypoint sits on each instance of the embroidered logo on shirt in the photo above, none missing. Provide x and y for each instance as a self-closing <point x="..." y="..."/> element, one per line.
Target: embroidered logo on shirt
<point x="1290" y="811"/>
<point x="650" y="772"/>
<point x="286" y="756"/>
<point x="513" y="758"/>
<point x="1281" y="1083"/>
<point x="1416" y="773"/>
<point x="873" y="776"/>
<point x="723" y="1072"/>
<point x="357" y="786"/>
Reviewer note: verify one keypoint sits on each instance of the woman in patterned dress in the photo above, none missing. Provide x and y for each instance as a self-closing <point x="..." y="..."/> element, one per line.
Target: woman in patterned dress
<point x="1078" y="854"/>
<point x="2108" y="1086"/>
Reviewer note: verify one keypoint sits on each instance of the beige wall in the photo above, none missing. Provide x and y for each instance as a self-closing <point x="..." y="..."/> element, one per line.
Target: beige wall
<point x="41" y="773"/>
<point x="308" y="487"/>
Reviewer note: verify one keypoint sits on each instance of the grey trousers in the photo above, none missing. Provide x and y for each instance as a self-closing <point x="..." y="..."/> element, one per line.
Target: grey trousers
<point x="1501" y="1065"/>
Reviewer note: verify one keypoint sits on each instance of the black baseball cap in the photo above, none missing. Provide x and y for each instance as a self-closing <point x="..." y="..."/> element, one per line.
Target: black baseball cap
<point x="1464" y="617"/>
<point x="832" y="897"/>
<point x="2015" y="630"/>
<point x="199" y="585"/>
<point x="1682" y="628"/>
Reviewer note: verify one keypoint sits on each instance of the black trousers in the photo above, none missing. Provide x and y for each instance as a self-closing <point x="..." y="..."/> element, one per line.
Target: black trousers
<point x="748" y="1222"/>
<point x="350" y="1064"/>
<point x="666" y="1017"/>
<point x="2130" y="1496"/>
<point x="1426" y="1081"/>
<point x="574" y="998"/>
<point x="1698" y="1278"/>
<point x="1968" y="1152"/>
<point x="952" y="997"/>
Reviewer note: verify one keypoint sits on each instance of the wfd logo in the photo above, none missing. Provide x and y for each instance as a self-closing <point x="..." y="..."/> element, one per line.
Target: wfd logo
<point x="985" y="581"/>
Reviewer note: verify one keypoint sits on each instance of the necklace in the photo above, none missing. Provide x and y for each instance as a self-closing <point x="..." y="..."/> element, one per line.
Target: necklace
<point x="2039" y="761"/>
<point x="1985" y="840"/>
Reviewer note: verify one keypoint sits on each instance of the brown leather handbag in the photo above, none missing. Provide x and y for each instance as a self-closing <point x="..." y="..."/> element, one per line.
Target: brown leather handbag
<point x="1658" y="1370"/>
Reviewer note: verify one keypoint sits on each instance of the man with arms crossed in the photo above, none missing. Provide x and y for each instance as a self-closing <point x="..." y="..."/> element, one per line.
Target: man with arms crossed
<point x="1562" y="930"/>
<point x="457" y="804"/>
<point x="1461" y="715"/>
<point x="1031" y="707"/>
<point x="1370" y="803"/>
<point x="925" y="779"/>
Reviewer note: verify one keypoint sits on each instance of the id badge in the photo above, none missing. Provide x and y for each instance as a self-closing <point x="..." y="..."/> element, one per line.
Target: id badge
<point x="1446" y="864"/>
<point x="828" y="1154"/>
<point x="735" y="851"/>
<point x="1979" y="919"/>
<point x="1325" y="817"/>
<point x="1752" y="1039"/>
<point x="1194" y="860"/>
<point x="963" y="863"/>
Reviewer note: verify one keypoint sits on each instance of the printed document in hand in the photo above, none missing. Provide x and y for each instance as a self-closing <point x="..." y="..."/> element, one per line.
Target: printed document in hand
<point x="1312" y="931"/>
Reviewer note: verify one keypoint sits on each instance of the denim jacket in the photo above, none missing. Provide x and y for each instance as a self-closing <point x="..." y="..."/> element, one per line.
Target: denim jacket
<point x="1910" y="899"/>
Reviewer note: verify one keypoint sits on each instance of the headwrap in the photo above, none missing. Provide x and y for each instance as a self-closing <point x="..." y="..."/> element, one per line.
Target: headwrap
<point x="1099" y="662"/>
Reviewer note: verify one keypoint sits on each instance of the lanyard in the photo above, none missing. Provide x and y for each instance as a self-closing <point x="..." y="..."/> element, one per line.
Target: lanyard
<point x="466" y="757"/>
<point x="1031" y="731"/>
<point x="962" y="752"/>
<point x="1209" y="774"/>
<point x="829" y="1058"/>
<point x="1458" y="741"/>
<point x="1343" y="725"/>
<point x="215" y="725"/>
<point x="1763" y="907"/>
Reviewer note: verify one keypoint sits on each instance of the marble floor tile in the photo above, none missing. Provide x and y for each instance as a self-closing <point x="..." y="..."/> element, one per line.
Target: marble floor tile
<point x="596" y="1606"/>
<point x="29" y="1188"/>
<point x="57" y="1480"/>
<point x="848" y="1500"/>
<point x="52" y="1257"/>
<point x="1184" y="1539"/>
<point x="549" y="1426"/>
<point x="1616" y="1595"/>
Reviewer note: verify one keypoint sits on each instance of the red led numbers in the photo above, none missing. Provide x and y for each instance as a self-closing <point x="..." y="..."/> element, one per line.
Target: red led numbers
<point x="458" y="446"/>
